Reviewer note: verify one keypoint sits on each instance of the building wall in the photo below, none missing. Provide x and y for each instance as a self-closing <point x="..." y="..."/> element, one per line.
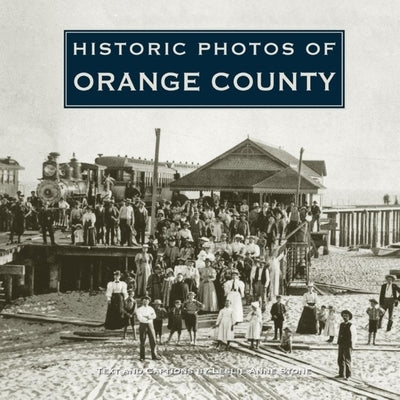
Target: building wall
<point x="8" y="181"/>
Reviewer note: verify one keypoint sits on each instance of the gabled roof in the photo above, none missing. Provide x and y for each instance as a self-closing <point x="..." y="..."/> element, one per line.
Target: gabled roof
<point x="286" y="181"/>
<point x="316" y="165"/>
<point x="221" y="179"/>
<point x="283" y="174"/>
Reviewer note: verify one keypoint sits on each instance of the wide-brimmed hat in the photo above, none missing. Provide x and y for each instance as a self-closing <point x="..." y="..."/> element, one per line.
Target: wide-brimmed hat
<point x="204" y="239"/>
<point x="255" y="304"/>
<point x="373" y="301"/>
<point x="193" y="293"/>
<point x="146" y="298"/>
<point x="169" y="270"/>
<point x="348" y="313"/>
<point x="235" y="271"/>
<point x="390" y="276"/>
<point x="177" y="302"/>
<point x="310" y="284"/>
<point x="239" y="236"/>
<point x="145" y="246"/>
<point x="157" y="301"/>
<point x="117" y="272"/>
<point x="255" y="205"/>
<point x="287" y="329"/>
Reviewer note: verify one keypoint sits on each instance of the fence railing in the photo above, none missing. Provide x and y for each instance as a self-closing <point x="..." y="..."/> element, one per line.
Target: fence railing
<point x="371" y="226"/>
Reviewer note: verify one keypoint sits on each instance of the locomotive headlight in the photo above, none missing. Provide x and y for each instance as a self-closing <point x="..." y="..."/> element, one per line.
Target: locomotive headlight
<point x="49" y="170"/>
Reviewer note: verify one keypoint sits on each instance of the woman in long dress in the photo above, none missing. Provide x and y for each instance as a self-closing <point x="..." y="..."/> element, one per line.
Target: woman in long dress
<point x="234" y="292"/>
<point x="308" y="320"/>
<point x="225" y="325"/>
<point x="274" y="273"/>
<point x="207" y="292"/>
<point x="143" y="262"/>
<point x="169" y="279"/>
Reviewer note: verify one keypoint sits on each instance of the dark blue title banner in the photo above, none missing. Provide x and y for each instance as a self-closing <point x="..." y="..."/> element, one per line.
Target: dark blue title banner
<point x="204" y="69"/>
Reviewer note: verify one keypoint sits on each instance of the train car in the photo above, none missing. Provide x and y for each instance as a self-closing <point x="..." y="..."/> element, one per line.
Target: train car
<point x="134" y="176"/>
<point x="71" y="181"/>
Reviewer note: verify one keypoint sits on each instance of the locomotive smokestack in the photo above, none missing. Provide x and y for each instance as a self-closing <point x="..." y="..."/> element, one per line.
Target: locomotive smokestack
<point x="76" y="168"/>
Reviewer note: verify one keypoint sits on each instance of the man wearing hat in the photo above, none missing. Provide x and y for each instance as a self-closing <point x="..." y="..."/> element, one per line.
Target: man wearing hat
<point x="116" y="294"/>
<point x="259" y="281"/>
<point x="388" y="299"/>
<point x="171" y="253"/>
<point x="111" y="215"/>
<point x="198" y="229"/>
<point x="179" y="290"/>
<point x="316" y="213"/>
<point x="155" y="282"/>
<point x="126" y="221"/>
<point x="253" y="216"/>
<point x="190" y="309"/>
<point x="146" y="315"/>
<point x="347" y="340"/>
<point x="141" y="218"/>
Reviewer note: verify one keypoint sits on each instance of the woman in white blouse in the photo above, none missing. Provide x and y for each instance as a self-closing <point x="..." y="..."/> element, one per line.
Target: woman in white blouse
<point x="308" y="320"/>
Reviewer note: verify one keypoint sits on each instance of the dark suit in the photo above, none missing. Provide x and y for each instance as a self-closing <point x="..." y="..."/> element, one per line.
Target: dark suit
<point x="277" y="314"/>
<point x="179" y="291"/>
<point x="388" y="303"/>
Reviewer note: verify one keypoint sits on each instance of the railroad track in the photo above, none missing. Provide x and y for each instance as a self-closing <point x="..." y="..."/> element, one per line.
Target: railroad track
<point x="354" y="385"/>
<point x="257" y="385"/>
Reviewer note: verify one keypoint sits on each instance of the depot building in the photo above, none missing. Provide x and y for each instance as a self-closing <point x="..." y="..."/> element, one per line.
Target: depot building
<point x="256" y="172"/>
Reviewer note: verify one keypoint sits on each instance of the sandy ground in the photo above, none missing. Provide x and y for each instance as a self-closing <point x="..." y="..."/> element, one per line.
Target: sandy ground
<point x="36" y="363"/>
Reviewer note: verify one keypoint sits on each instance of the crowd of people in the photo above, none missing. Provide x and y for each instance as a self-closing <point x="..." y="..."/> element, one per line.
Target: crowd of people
<point x="204" y="257"/>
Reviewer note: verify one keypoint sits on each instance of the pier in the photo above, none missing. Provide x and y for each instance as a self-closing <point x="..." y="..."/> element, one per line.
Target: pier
<point x="62" y="267"/>
<point x="364" y="226"/>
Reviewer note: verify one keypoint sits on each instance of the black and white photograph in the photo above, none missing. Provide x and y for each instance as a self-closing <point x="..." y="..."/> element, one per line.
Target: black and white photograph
<point x="199" y="200"/>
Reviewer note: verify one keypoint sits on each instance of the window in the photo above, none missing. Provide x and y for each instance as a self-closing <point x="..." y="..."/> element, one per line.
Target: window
<point x="11" y="176"/>
<point x="5" y="176"/>
<point x="1" y="176"/>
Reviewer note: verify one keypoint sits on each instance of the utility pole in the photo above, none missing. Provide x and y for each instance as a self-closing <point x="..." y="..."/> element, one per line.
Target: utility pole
<point x="155" y="183"/>
<point x="299" y="178"/>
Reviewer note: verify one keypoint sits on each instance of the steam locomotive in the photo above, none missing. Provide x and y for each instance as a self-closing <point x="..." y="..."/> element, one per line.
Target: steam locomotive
<point x="71" y="181"/>
<point x="118" y="176"/>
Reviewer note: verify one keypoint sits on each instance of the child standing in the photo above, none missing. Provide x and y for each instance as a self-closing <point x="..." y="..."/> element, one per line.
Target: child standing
<point x="286" y="341"/>
<point x="331" y="324"/>
<point x="255" y="325"/>
<point x="190" y="309"/>
<point x="161" y="313"/>
<point x="175" y="321"/>
<point x="375" y="313"/>
<point x="225" y="324"/>
<point x="322" y="316"/>
<point x="129" y="311"/>
<point x="278" y="311"/>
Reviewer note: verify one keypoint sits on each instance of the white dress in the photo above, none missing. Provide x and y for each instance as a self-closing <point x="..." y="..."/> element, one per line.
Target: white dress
<point x="274" y="275"/>
<point x="255" y="325"/>
<point x="225" y="321"/>
<point x="330" y="325"/>
<point x="234" y="291"/>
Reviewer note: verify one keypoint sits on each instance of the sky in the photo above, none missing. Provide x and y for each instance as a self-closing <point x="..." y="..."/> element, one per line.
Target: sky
<point x="359" y="143"/>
